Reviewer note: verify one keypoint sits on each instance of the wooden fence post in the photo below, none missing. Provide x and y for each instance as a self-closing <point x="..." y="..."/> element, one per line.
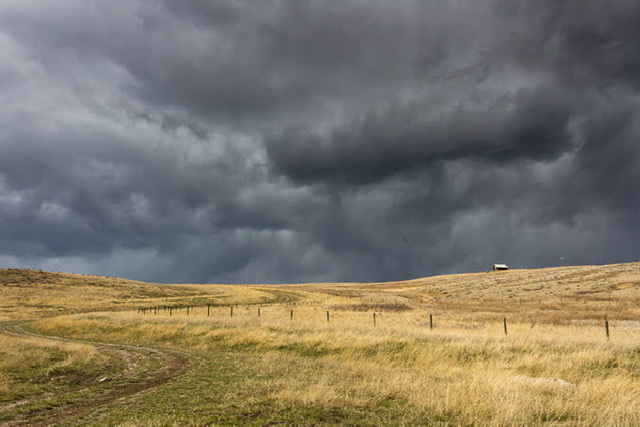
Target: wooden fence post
<point x="327" y="316"/>
<point x="431" y="321"/>
<point x="291" y="317"/>
<point x="231" y="311"/>
<point x="606" y="328"/>
<point x="504" y="321"/>
<point x="374" y="319"/>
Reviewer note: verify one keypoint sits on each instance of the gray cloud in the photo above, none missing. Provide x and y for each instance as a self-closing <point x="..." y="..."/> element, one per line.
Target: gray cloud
<point x="296" y="141"/>
<point x="531" y="124"/>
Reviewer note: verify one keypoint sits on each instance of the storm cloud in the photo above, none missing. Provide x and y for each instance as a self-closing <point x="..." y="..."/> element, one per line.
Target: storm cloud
<point x="296" y="141"/>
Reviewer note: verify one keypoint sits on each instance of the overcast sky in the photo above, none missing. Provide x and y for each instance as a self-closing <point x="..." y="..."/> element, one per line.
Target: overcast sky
<point x="270" y="141"/>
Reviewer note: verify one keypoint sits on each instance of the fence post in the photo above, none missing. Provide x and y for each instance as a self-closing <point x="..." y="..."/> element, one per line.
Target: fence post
<point x="606" y="328"/>
<point x="258" y="311"/>
<point x="504" y="321"/>
<point x="291" y="317"/>
<point x="327" y="316"/>
<point x="374" y="319"/>
<point x="231" y="311"/>
<point x="431" y="321"/>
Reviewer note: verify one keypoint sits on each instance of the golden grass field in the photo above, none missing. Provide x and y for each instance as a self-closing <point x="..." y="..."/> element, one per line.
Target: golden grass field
<point x="430" y="351"/>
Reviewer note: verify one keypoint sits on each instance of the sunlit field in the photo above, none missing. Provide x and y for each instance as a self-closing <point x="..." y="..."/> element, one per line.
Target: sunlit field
<point x="550" y="346"/>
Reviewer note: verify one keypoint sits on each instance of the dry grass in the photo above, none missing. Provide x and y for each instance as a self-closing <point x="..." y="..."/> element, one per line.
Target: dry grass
<point x="31" y="366"/>
<point x="25" y="294"/>
<point x="548" y="373"/>
<point x="555" y="365"/>
<point x="5" y="384"/>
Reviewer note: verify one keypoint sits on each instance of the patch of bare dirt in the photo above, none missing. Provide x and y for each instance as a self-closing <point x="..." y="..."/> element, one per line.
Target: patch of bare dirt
<point x="144" y="369"/>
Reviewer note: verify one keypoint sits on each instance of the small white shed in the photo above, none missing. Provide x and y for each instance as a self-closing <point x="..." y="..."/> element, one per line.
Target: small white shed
<point x="498" y="267"/>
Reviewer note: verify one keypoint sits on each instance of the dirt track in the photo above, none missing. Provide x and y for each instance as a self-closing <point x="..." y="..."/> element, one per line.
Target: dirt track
<point x="132" y="380"/>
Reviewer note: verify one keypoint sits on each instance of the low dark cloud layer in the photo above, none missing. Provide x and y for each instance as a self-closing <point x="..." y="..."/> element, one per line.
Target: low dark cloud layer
<point x="532" y="125"/>
<point x="284" y="141"/>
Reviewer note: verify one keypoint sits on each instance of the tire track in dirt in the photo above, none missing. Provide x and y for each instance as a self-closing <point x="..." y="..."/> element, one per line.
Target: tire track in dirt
<point x="132" y="380"/>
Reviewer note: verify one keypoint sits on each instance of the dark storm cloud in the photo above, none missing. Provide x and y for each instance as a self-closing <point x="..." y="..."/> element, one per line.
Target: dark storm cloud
<point x="590" y="44"/>
<point x="280" y="141"/>
<point x="609" y="162"/>
<point x="531" y="124"/>
<point x="241" y="60"/>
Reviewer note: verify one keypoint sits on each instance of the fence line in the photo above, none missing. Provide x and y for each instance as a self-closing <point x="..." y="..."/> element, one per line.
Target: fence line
<point x="170" y="310"/>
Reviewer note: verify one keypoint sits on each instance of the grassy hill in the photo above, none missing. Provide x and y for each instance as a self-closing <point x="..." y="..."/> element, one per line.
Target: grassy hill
<point x="558" y="345"/>
<point x="29" y="294"/>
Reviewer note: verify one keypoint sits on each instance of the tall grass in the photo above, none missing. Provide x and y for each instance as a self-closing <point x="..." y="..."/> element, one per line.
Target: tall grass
<point x="28" y="294"/>
<point x="554" y="366"/>
<point x="458" y="372"/>
<point x="31" y="366"/>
